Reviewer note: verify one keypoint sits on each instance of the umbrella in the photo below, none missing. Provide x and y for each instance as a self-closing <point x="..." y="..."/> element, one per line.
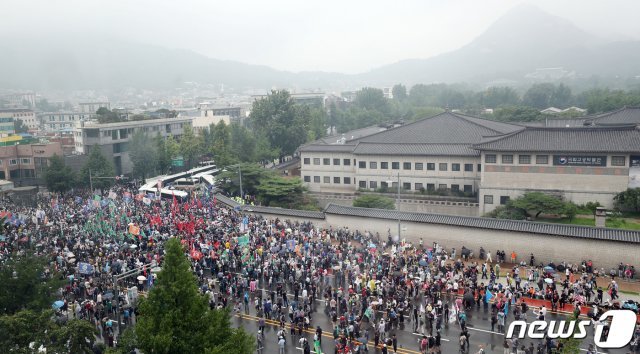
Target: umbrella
<point x="549" y="269"/>
<point x="108" y="296"/>
<point x="141" y="277"/>
<point x="156" y="269"/>
<point x="423" y="263"/>
<point x="133" y="247"/>
<point x="548" y="280"/>
<point x="70" y="255"/>
<point x="71" y="260"/>
<point x="58" y="304"/>
<point x="336" y="267"/>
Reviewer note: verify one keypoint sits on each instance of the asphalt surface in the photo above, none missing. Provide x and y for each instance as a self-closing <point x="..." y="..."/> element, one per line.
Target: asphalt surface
<point x="478" y="324"/>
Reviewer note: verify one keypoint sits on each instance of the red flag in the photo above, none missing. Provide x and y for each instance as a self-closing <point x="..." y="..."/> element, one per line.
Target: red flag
<point x="199" y="204"/>
<point x="214" y="200"/>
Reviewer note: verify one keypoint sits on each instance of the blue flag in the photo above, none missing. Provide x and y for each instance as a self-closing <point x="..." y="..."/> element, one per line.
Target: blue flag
<point x="488" y="296"/>
<point x="506" y="308"/>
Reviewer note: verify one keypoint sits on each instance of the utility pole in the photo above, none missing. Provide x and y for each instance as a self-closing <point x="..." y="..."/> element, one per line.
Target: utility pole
<point x="241" y="192"/>
<point x="398" y="206"/>
<point x="90" y="182"/>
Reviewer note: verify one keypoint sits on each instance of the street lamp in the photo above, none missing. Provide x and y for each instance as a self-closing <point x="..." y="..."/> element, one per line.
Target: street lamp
<point x="390" y="182"/>
<point x="240" y="174"/>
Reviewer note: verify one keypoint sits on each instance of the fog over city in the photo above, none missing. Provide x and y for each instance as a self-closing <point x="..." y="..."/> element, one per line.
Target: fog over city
<point x="336" y="36"/>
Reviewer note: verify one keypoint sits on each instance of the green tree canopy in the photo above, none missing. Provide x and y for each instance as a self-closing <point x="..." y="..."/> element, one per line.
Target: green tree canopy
<point x="628" y="199"/>
<point x="58" y="177"/>
<point x="176" y="318"/>
<point x="374" y="201"/>
<point x="283" y="122"/>
<point x="190" y="145"/>
<point x="143" y="155"/>
<point x="26" y="285"/>
<point x="533" y="204"/>
<point x="99" y="166"/>
<point x="107" y="116"/>
<point x="19" y="126"/>
<point x="399" y="92"/>
<point x="371" y="99"/>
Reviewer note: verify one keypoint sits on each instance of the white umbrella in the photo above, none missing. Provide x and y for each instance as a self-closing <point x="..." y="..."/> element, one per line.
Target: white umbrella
<point x="156" y="269"/>
<point x="71" y="260"/>
<point x="141" y="277"/>
<point x="70" y="255"/>
<point x="548" y="280"/>
<point x="133" y="246"/>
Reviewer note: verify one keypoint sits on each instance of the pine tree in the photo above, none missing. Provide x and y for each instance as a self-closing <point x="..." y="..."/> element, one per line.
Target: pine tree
<point x="176" y="318"/>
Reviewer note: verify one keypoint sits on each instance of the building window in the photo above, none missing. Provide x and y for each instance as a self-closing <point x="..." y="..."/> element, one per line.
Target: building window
<point x="316" y="161"/>
<point x="455" y="167"/>
<point x="373" y="165"/>
<point x="468" y="188"/>
<point x="336" y="162"/>
<point x="326" y="179"/>
<point x="316" y="179"/>
<point x="618" y="160"/>
<point x="395" y="165"/>
<point x="468" y="167"/>
<point x="455" y="187"/>
<point x="384" y="165"/>
<point x="406" y="185"/>
<point x="373" y="184"/>
<point x="479" y="167"/>
<point x="362" y="184"/>
<point x="13" y="162"/>
<point x="307" y="178"/>
<point x="419" y="166"/>
<point x="442" y="166"/>
<point x="347" y="180"/>
<point x="490" y="158"/>
<point x="542" y="159"/>
<point x="419" y="186"/>
<point x="442" y="187"/>
<point x="384" y="184"/>
<point x="336" y="180"/>
<point x="326" y="162"/>
<point x="431" y="187"/>
<point x="504" y="199"/>
<point x="431" y="166"/>
<point x="406" y="165"/>
<point x="507" y="159"/>
<point x="346" y="162"/>
<point x="488" y="199"/>
<point x="362" y="164"/>
<point x="26" y="161"/>
<point x="524" y="159"/>
<point x="307" y="161"/>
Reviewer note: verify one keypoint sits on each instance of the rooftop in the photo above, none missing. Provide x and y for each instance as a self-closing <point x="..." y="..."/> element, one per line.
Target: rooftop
<point x="96" y="125"/>
<point x="585" y="139"/>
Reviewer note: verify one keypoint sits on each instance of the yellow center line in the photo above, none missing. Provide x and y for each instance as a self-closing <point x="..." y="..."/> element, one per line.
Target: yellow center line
<point x="324" y="333"/>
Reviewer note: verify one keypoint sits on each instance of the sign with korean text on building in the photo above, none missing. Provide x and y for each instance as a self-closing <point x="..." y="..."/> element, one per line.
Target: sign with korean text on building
<point x="568" y="160"/>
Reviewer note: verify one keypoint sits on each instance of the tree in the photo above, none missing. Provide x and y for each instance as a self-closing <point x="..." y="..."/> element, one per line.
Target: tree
<point x="571" y="345"/>
<point x="58" y="176"/>
<point x="539" y="96"/>
<point x="26" y="285"/>
<point x="99" y="166"/>
<point x="163" y="161"/>
<point x="399" y="92"/>
<point x="243" y="143"/>
<point x="517" y="114"/>
<point x="371" y="99"/>
<point x="19" y="127"/>
<point x="107" y="116"/>
<point x="283" y="122"/>
<point x="536" y="203"/>
<point x="176" y="318"/>
<point x="278" y="191"/>
<point x="172" y="147"/>
<point x="74" y="336"/>
<point x="143" y="155"/>
<point x="494" y="97"/>
<point x="561" y="96"/>
<point x="374" y="201"/>
<point x="628" y="200"/>
<point x="190" y="145"/>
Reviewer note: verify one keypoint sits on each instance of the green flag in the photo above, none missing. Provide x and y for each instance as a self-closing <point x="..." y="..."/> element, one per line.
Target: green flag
<point x="243" y="240"/>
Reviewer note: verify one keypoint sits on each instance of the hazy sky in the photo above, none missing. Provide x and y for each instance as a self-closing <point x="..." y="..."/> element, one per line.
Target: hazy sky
<point x="330" y="35"/>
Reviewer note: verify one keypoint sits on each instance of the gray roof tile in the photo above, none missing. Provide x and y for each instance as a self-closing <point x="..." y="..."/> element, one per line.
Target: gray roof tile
<point x="585" y="139"/>
<point x="415" y="149"/>
<point x="493" y="224"/>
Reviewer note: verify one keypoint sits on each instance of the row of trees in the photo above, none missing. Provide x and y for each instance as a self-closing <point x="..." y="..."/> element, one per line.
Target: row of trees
<point x="60" y="178"/>
<point x="531" y="205"/>
<point x="371" y="107"/>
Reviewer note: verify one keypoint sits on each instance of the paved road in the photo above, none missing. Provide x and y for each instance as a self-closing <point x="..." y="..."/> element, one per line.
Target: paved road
<point x="477" y="322"/>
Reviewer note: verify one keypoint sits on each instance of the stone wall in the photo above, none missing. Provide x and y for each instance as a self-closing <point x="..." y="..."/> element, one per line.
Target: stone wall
<point x="546" y="248"/>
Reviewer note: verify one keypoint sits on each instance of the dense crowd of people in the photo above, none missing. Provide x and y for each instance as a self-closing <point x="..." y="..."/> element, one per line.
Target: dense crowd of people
<point x="370" y="285"/>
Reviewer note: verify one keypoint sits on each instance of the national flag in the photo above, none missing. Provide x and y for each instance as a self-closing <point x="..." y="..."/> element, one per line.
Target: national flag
<point x="134" y="230"/>
<point x="506" y="308"/>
